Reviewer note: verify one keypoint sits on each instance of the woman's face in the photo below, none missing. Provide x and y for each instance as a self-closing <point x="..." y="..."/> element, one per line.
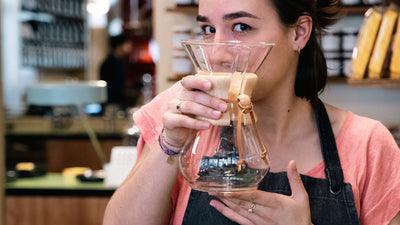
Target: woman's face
<point x="252" y="21"/>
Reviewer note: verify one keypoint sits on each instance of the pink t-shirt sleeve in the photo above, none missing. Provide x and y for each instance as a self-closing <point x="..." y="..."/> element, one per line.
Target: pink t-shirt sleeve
<point x="380" y="196"/>
<point x="370" y="160"/>
<point x="149" y="117"/>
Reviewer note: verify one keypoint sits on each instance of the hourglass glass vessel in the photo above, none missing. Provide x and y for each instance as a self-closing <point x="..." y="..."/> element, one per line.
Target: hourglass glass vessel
<point x="230" y="156"/>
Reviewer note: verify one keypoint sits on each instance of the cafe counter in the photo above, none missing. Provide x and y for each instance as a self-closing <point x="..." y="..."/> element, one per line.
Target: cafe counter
<point x="55" y="199"/>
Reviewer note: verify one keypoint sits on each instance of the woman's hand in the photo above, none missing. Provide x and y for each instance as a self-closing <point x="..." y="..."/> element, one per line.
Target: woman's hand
<point x="179" y="120"/>
<point x="259" y="207"/>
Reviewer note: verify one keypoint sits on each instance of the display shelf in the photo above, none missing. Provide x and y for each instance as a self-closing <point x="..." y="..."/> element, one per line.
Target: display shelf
<point x="336" y="79"/>
<point x="187" y="9"/>
<point x="40" y="14"/>
<point x="54" y="35"/>
<point x="192" y="9"/>
<point x="385" y="82"/>
<point x="355" y="10"/>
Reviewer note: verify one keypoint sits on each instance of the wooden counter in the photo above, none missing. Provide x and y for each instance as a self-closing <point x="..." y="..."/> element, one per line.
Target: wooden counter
<point x="55" y="199"/>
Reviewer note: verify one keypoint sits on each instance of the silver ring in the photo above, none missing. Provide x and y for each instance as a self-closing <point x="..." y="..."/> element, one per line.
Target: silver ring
<point x="252" y="207"/>
<point x="178" y="107"/>
<point x="252" y="203"/>
<point x="182" y="81"/>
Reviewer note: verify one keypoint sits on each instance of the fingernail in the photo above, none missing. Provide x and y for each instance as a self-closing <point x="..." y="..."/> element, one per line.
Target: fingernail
<point x="205" y="125"/>
<point x="207" y="85"/>
<point x="222" y="107"/>
<point x="212" y="204"/>
<point x="216" y="114"/>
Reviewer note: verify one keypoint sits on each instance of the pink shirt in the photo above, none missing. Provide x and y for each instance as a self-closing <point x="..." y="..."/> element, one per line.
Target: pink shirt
<point x="369" y="156"/>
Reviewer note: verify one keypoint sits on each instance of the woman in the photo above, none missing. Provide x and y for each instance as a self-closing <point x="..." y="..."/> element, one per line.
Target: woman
<point x="362" y="186"/>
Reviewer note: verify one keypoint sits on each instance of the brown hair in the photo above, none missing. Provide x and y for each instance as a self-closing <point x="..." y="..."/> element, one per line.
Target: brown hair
<point x="312" y="70"/>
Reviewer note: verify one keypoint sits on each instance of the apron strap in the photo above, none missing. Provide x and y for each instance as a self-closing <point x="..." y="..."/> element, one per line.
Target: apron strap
<point x="333" y="169"/>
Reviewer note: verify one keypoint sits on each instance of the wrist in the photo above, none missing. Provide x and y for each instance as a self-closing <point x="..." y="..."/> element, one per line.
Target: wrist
<point x="168" y="148"/>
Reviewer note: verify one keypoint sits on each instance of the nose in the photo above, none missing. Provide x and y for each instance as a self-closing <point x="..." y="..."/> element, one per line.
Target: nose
<point x="220" y="53"/>
<point x="221" y="35"/>
<point x="228" y="57"/>
<point x="221" y="58"/>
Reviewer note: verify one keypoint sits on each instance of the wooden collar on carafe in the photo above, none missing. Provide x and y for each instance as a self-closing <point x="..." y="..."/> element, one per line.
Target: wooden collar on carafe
<point x="245" y="106"/>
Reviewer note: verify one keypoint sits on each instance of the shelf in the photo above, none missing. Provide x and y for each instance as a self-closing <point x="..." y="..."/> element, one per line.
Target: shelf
<point x="336" y="80"/>
<point x="39" y="13"/>
<point x="192" y="9"/>
<point x="43" y="126"/>
<point x="394" y="83"/>
<point x="386" y="83"/>
<point x="355" y="10"/>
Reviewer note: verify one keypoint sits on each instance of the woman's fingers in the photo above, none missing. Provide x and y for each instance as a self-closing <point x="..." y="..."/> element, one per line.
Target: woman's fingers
<point x="204" y="99"/>
<point x="296" y="184"/>
<point x="174" y="120"/>
<point x="196" y="83"/>
<point x="229" y="213"/>
<point x="194" y="108"/>
<point x="267" y="199"/>
<point x="259" y="207"/>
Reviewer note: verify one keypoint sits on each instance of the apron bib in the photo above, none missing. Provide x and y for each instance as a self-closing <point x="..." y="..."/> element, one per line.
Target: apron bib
<point x="331" y="200"/>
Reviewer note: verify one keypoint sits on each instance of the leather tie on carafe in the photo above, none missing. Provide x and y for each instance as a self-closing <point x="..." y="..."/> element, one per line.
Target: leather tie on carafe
<point x="245" y="107"/>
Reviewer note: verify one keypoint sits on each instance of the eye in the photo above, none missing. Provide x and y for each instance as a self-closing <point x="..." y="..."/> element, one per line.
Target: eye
<point x="208" y="29"/>
<point x="241" y="27"/>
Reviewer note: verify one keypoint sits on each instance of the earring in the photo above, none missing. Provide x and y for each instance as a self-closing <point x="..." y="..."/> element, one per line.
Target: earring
<point x="298" y="50"/>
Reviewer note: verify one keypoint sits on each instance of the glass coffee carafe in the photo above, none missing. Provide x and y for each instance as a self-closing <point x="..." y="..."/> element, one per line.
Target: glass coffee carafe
<point x="230" y="156"/>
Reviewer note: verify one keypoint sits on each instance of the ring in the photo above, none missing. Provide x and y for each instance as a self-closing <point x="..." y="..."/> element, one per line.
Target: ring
<point x="182" y="81"/>
<point x="178" y="106"/>
<point x="252" y="204"/>
<point x="252" y="207"/>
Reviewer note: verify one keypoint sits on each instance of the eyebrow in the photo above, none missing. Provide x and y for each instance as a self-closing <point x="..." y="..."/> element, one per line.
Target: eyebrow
<point x="230" y="16"/>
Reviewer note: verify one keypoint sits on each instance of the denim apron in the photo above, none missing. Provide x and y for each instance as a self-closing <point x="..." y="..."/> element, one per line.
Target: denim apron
<point x="331" y="200"/>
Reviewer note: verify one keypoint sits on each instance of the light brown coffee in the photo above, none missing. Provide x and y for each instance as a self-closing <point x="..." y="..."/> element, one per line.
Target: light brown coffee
<point x="227" y="86"/>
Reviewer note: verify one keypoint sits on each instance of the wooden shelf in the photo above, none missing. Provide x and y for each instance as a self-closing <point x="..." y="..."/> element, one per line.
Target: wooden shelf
<point x="386" y="82"/>
<point x="336" y="80"/>
<point x="393" y="83"/>
<point x="355" y="10"/>
<point x="192" y="9"/>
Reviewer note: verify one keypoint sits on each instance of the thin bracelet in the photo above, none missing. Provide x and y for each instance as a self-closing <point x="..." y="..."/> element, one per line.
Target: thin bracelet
<point x="166" y="147"/>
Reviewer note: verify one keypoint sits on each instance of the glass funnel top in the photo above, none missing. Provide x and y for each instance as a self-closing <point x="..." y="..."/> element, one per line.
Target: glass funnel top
<point x="226" y="56"/>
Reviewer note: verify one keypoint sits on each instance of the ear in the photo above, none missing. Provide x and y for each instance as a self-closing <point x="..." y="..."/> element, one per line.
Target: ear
<point x="303" y="29"/>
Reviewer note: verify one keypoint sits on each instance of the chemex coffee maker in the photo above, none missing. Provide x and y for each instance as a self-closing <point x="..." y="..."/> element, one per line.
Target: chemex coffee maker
<point x="230" y="156"/>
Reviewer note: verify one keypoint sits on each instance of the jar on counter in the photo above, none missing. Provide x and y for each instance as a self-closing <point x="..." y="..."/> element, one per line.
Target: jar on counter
<point x="182" y="66"/>
<point x="349" y="38"/>
<point x="371" y="2"/>
<point x="351" y="2"/>
<point x="183" y="2"/>
<point x="331" y="41"/>
<point x="346" y="63"/>
<point x="333" y="63"/>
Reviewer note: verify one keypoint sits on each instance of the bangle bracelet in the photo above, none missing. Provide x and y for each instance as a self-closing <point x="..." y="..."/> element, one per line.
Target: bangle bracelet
<point x="166" y="147"/>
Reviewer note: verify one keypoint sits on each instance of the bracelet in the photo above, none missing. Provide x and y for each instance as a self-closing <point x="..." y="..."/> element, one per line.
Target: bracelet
<point x="166" y="147"/>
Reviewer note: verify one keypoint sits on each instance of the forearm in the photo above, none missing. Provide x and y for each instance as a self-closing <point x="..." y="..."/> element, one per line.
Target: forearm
<point x="395" y="220"/>
<point x="144" y="197"/>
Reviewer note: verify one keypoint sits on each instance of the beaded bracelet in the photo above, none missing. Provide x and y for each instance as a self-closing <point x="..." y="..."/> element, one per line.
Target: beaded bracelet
<point x="166" y="147"/>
